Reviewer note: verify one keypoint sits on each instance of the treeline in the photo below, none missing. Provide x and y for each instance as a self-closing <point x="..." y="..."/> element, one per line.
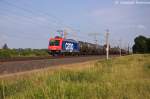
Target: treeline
<point x="142" y="45"/>
<point x="8" y="53"/>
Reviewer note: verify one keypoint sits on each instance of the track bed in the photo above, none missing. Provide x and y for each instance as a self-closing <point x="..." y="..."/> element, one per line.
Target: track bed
<point x="21" y="66"/>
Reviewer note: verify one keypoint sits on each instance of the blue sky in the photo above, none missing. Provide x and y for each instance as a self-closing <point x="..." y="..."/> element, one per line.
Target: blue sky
<point x="30" y="23"/>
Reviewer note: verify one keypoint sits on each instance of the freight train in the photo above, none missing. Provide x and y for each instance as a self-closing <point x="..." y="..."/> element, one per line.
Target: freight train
<point x="62" y="46"/>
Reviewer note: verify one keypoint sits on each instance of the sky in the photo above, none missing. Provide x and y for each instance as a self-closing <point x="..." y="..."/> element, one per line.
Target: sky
<point x="30" y="23"/>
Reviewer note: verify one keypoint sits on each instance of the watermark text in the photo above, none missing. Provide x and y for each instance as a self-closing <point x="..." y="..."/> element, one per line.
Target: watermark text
<point x="132" y="2"/>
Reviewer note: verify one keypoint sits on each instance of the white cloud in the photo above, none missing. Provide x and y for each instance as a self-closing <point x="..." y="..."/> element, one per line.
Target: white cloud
<point x="141" y="26"/>
<point x="112" y="13"/>
<point x="43" y="19"/>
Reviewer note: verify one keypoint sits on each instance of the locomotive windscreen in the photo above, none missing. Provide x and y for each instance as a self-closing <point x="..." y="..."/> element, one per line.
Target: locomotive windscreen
<point x="54" y="42"/>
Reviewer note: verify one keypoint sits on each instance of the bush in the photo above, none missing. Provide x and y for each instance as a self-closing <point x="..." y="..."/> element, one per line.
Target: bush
<point x="5" y="54"/>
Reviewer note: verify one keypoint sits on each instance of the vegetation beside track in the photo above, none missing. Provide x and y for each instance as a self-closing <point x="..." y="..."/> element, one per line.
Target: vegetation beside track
<point x="9" y="53"/>
<point x="124" y="77"/>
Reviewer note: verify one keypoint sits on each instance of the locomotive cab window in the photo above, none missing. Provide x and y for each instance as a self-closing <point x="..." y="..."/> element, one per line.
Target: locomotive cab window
<point x="54" y="42"/>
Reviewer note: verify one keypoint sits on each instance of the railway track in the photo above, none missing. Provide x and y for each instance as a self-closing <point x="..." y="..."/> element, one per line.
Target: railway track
<point x="15" y="66"/>
<point x="13" y="59"/>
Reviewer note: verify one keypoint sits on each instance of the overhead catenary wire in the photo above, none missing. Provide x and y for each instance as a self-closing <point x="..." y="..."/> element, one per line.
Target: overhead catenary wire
<point x="28" y="21"/>
<point x="47" y="15"/>
<point x="28" y="18"/>
<point x="24" y="36"/>
<point x="31" y="18"/>
<point x="56" y="20"/>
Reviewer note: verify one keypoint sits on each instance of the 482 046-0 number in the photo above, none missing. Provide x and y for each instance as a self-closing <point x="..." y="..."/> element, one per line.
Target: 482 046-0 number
<point x="69" y="47"/>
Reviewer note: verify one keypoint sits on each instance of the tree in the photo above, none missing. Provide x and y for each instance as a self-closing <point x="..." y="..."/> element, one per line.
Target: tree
<point x="141" y="45"/>
<point x="148" y="44"/>
<point x="5" y="46"/>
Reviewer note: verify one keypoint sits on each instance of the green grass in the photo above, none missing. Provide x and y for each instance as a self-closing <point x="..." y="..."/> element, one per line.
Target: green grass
<point x="125" y="77"/>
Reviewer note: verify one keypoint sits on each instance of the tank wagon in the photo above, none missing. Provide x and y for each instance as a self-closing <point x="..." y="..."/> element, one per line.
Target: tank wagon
<point x="62" y="46"/>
